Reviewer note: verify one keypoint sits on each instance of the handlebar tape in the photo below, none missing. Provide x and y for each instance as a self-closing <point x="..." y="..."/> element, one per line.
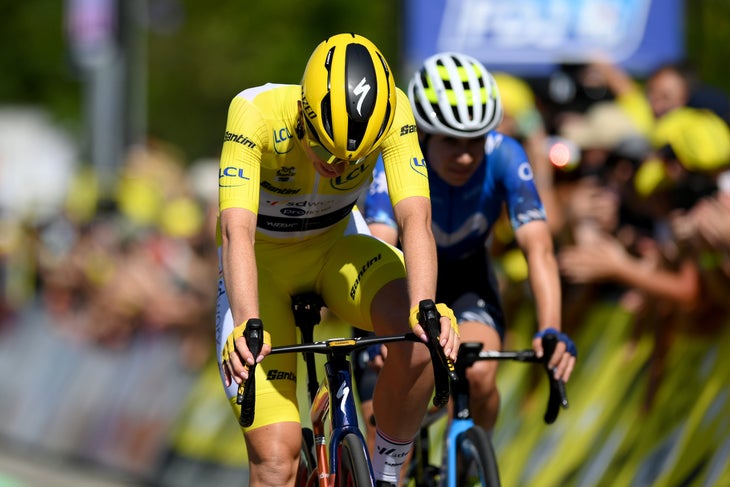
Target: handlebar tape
<point x="253" y="334"/>
<point x="558" y="397"/>
<point x="443" y="368"/>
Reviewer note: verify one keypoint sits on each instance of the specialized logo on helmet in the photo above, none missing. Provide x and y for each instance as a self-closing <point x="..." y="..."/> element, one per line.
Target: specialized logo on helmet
<point x="361" y="90"/>
<point x="361" y="80"/>
<point x="308" y="110"/>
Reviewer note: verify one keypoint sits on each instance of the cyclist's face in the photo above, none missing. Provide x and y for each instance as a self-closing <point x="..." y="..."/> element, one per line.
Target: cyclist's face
<point x="323" y="168"/>
<point x="455" y="159"/>
<point x="325" y="163"/>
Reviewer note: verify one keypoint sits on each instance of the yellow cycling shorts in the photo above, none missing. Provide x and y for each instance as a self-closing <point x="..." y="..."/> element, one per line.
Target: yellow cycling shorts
<point x="346" y="269"/>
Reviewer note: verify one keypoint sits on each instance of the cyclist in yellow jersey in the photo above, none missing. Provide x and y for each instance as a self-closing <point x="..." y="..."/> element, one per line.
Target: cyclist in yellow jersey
<point x="295" y="160"/>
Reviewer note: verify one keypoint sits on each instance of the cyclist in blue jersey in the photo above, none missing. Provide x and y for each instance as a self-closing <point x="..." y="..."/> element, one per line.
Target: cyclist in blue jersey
<point x="474" y="172"/>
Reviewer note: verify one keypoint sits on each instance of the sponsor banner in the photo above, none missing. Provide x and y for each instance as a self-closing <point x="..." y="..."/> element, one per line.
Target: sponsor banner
<point x="530" y="37"/>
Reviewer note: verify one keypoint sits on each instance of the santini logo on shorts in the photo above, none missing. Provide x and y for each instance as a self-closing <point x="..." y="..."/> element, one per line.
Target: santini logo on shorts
<point x="361" y="273"/>
<point x="281" y="375"/>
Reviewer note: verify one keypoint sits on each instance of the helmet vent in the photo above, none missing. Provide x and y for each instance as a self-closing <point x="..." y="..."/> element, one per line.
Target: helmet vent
<point x="326" y="111"/>
<point x="360" y="94"/>
<point x="328" y="67"/>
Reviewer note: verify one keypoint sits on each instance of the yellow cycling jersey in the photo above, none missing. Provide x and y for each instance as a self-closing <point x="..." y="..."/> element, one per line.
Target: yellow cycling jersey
<point x="264" y="168"/>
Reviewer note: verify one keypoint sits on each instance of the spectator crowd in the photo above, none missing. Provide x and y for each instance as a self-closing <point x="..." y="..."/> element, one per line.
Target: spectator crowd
<point x="634" y="175"/>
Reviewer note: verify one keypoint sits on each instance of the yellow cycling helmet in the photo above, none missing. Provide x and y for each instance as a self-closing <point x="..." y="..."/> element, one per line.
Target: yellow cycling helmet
<point x="348" y="96"/>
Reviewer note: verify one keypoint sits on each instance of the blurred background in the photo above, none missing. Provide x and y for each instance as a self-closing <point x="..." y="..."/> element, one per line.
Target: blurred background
<point x="111" y="121"/>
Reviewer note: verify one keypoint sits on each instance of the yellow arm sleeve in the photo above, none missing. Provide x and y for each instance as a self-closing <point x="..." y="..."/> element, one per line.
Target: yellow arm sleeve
<point x="239" y="172"/>
<point x="405" y="166"/>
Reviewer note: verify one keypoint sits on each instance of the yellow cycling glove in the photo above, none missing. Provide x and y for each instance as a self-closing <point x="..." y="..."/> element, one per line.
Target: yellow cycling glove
<point x="443" y="311"/>
<point x="230" y="346"/>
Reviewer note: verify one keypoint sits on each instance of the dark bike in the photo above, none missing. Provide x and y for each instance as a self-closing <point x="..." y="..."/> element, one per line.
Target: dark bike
<point x="342" y="458"/>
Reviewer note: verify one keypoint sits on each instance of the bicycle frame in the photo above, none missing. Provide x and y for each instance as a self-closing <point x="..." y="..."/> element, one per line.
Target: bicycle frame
<point x="457" y="427"/>
<point x="336" y="389"/>
<point x="334" y="395"/>
<point x="462" y="420"/>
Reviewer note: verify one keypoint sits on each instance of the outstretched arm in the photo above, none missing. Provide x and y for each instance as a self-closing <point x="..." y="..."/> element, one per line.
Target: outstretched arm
<point x="535" y="240"/>
<point x="606" y="259"/>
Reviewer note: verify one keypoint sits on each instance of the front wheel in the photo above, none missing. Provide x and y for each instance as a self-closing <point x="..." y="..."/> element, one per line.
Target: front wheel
<point x="353" y="469"/>
<point x="476" y="463"/>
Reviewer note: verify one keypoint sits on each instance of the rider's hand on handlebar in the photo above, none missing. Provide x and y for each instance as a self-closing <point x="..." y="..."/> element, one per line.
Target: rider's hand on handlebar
<point x="449" y="336"/>
<point x="236" y="356"/>
<point x="563" y="360"/>
<point x="376" y="356"/>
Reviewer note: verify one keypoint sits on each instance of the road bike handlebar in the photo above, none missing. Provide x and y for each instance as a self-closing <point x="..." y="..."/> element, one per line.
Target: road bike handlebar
<point x="557" y="398"/>
<point x="443" y="368"/>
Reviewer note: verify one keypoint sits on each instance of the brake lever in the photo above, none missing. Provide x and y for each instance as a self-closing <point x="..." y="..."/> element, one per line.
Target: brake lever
<point x="246" y="396"/>
<point x="558" y="397"/>
<point x="445" y="374"/>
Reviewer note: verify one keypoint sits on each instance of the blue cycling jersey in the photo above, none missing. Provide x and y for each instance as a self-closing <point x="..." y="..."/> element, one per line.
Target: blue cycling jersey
<point x="463" y="217"/>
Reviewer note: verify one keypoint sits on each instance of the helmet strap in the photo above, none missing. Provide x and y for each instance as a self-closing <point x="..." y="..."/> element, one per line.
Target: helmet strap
<point x="299" y="129"/>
